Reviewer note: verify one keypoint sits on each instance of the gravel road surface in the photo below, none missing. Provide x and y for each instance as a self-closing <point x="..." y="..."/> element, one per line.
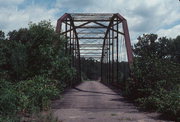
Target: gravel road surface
<point x="94" y="102"/>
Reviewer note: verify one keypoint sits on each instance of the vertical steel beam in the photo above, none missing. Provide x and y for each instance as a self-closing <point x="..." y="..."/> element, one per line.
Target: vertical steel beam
<point x="66" y="43"/>
<point x="77" y="40"/>
<point x="73" y="53"/>
<point x="127" y="38"/>
<point x="107" y="59"/>
<point x="112" y="53"/>
<point x="109" y="70"/>
<point x="117" y="49"/>
<point x="127" y="41"/>
<point x="102" y="69"/>
<point x="106" y="34"/>
<point x="70" y="41"/>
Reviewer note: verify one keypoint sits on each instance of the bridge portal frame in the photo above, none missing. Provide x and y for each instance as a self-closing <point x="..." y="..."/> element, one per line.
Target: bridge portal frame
<point x="111" y="35"/>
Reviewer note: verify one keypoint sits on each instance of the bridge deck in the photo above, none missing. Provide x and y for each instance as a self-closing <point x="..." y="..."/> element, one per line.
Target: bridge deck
<point x="94" y="102"/>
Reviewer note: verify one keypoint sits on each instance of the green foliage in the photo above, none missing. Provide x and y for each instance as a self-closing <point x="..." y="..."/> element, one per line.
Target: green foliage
<point x="8" y="100"/>
<point x="2" y="35"/>
<point x="34" y="69"/>
<point x="36" y="92"/>
<point x="9" y="119"/>
<point x="156" y="72"/>
<point x="176" y="49"/>
<point x="170" y="103"/>
<point x="167" y="102"/>
<point x="22" y="35"/>
<point x="18" y="60"/>
<point x="27" y="96"/>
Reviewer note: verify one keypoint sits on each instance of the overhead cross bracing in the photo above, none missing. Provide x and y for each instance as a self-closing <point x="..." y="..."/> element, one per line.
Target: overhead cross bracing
<point x="95" y="35"/>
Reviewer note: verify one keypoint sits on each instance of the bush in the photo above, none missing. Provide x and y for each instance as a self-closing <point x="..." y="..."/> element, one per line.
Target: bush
<point x="35" y="70"/>
<point x="36" y="93"/>
<point x="170" y="103"/>
<point x="27" y="96"/>
<point x="9" y="98"/>
<point x="156" y="76"/>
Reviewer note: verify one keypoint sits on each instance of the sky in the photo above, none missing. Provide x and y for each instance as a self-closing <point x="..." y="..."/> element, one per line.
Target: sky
<point x="161" y="17"/>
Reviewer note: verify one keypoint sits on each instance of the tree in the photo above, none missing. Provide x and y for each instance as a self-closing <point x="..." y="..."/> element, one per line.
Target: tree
<point x="156" y="71"/>
<point x="2" y="35"/>
<point x="33" y="70"/>
<point x="176" y="49"/>
<point x="153" y="64"/>
<point x="22" y="35"/>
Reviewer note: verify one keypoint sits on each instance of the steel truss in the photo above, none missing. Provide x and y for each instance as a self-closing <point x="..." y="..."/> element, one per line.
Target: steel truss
<point x="95" y="35"/>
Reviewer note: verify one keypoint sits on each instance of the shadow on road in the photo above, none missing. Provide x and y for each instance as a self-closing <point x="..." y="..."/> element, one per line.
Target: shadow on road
<point x="93" y="91"/>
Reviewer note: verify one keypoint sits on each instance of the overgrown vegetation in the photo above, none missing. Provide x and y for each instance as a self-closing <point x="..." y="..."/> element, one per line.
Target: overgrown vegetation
<point x="156" y="71"/>
<point x="33" y="70"/>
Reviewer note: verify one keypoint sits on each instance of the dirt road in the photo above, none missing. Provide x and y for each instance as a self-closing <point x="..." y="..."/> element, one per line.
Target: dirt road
<point x="94" y="102"/>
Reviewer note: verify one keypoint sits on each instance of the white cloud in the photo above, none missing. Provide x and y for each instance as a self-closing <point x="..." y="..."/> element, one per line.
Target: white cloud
<point x="172" y="32"/>
<point x="144" y="16"/>
<point x="13" y="18"/>
<point x="10" y="2"/>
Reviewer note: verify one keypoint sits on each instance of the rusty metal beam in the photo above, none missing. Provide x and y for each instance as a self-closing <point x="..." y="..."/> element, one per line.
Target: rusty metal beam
<point x="91" y="14"/>
<point x="83" y="24"/>
<point x="74" y="29"/>
<point x="112" y="53"/>
<point x="88" y="27"/>
<point x="110" y="23"/>
<point x="117" y="49"/>
<point x="100" y="24"/>
<point x="104" y="22"/>
<point x="100" y="20"/>
<point x="91" y="44"/>
<point x="92" y="38"/>
<point x="127" y="39"/>
<point x="118" y="22"/>
<point x="94" y="32"/>
<point x="117" y="31"/>
<point x="67" y="31"/>
<point x="67" y="23"/>
<point x="91" y="33"/>
<point x="92" y="56"/>
<point x="90" y="49"/>
<point x="59" y="22"/>
<point x="90" y="53"/>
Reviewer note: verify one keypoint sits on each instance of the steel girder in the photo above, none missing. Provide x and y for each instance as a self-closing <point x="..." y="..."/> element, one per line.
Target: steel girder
<point x="101" y="28"/>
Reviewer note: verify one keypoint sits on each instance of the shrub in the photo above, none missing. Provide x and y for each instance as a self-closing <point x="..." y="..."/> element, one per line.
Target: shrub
<point x="27" y="96"/>
<point x="170" y="103"/>
<point x="156" y="85"/>
<point x="35" y="69"/>
<point x="9" y="98"/>
<point x="36" y="93"/>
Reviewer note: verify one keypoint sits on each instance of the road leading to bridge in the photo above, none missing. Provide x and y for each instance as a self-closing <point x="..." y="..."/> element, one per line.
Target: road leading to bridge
<point x="94" y="102"/>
